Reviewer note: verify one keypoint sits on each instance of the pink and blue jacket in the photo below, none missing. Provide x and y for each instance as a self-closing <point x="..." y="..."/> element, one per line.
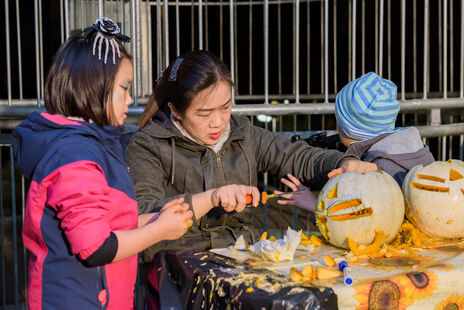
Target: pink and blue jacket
<point x="80" y="192"/>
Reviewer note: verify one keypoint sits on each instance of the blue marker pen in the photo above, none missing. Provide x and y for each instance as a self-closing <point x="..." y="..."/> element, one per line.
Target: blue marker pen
<point x="343" y="266"/>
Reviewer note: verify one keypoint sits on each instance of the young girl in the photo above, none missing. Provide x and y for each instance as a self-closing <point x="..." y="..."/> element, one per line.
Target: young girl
<point x="189" y="143"/>
<point x="81" y="224"/>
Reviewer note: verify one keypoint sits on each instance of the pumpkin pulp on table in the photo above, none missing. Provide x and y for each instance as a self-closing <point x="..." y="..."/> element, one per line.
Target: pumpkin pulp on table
<point x="371" y="248"/>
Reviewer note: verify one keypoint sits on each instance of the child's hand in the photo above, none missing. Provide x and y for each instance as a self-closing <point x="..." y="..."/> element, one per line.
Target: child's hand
<point x="233" y="197"/>
<point x="168" y="205"/>
<point x="175" y="218"/>
<point x="304" y="200"/>
<point x="172" y="203"/>
<point x="353" y="165"/>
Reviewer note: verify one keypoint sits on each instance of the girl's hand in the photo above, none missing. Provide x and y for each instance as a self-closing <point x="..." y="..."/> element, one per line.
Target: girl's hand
<point x="233" y="197"/>
<point x="167" y="206"/>
<point x="304" y="200"/>
<point x="174" y="218"/>
<point x="172" y="203"/>
<point x="355" y="166"/>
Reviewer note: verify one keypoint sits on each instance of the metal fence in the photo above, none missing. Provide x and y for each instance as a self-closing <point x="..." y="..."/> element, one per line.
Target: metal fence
<point x="13" y="252"/>
<point x="288" y="58"/>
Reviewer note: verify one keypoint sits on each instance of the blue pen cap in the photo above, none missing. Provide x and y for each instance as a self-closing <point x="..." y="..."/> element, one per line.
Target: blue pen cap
<point x="348" y="281"/>
<point x="342" y="265"/>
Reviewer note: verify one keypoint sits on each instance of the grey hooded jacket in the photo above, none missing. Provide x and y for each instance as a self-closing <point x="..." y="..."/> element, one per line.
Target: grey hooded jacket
<point x="395" y="153"/>
<point x="164" y="164"/>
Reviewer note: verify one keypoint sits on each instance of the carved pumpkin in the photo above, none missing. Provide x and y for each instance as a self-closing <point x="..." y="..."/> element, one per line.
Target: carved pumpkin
<point x="434" y="198"/>
<point x="356" y="205"/>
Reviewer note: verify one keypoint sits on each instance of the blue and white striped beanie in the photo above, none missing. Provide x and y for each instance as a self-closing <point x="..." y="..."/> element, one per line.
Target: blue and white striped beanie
<point x="367" y="107"/>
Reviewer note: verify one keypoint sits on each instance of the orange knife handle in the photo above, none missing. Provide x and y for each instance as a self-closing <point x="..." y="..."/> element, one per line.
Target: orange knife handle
<point x="249" y="198"/>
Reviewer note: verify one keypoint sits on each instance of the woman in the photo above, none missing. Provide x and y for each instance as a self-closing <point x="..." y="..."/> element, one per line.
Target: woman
<point x="189" y="143"/>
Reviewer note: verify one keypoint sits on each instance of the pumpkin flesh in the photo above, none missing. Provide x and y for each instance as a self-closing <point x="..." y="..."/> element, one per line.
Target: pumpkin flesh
<point x="369" y="249"/>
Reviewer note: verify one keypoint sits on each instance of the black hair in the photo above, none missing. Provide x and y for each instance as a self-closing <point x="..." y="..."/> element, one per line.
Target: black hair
<point x="197" y="71"/>
<point x="79" y="84"/>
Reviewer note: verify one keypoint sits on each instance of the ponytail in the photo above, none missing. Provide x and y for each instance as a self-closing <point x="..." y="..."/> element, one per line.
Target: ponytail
<point x="151" y="109"/>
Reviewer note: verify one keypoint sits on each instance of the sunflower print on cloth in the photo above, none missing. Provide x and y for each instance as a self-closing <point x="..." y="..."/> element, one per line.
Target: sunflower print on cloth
<point x="423" y="285"/>
<point x="380" y="294"/>
<point x="453" y="302"/>
<point x="397" y="292"/>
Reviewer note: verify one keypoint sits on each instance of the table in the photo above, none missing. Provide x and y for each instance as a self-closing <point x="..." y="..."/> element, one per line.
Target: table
<point x="189" y="279"/>
<point x="230" y="279"/>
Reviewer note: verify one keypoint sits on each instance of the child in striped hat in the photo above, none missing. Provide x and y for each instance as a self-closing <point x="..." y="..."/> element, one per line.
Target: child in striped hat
<point x="366" y="111"/>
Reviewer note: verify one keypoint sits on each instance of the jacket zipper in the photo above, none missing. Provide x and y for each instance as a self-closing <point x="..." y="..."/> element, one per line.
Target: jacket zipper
<point x="218" y="157"/>
<point x="101" y="271"/>
<point x="219" y="164"/>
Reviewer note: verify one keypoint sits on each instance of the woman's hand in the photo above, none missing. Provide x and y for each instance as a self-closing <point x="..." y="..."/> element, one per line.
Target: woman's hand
<point x="355" y="166"/>
<point x="304" y="199"/>
<point x="233" y="197"/>
<point x="174" y="218"/>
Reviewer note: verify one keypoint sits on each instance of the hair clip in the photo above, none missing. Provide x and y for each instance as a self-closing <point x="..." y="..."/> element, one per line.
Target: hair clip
<point x="175" y="67"/>
<point x="107" y="32"/>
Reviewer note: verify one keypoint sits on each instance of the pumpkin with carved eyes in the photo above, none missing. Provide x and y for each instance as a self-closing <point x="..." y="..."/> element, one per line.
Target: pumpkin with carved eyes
<point x="355" y="206"/>
<point x="434" y="198"/>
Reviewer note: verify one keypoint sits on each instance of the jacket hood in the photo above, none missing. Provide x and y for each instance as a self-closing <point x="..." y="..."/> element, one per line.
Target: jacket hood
<point x="34" y="136"/>
<point x="403" y="147"/>
<point x="406" y="161"/>
<point x="404" y="141"/>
